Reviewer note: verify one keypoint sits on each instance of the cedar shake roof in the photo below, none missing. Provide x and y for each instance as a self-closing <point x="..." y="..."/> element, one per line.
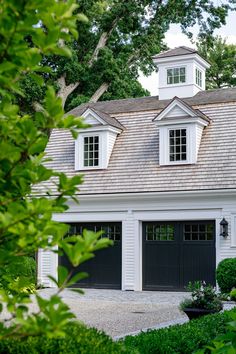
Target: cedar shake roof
<point x="134" y="162"/>
<point x="175" y="52"/>
<point x="152" y="103"/>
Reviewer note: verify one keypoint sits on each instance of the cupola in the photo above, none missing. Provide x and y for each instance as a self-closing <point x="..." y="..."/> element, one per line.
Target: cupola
<point x="181" y="72"/>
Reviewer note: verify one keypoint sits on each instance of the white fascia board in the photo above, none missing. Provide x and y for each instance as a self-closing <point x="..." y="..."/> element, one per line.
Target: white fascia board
<point x="180" y="58"/>
<point x="165" y="194"/>
<point x="98" y="128"/>
<point x="181" y="120"/>
<point x="202" y="61"/>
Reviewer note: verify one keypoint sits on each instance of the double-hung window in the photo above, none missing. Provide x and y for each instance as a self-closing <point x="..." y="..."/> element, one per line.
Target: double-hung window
<point x="198" y="75"/>
<point x="176" y="75"/>
<point x="177" y="145"/>
<point x="91" y="151"/>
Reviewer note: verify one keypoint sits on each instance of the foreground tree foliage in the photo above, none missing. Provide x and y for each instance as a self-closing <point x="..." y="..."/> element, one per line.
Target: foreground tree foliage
<point x="222" y="57"/>
<point x="30" y="30"/>
<point x="117" y="42"/>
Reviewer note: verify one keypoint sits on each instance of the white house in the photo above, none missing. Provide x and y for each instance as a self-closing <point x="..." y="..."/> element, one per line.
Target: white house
<point x="159" y="178"/>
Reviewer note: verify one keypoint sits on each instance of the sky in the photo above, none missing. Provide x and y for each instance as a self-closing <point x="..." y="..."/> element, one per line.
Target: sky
<point x="175" y="38"/>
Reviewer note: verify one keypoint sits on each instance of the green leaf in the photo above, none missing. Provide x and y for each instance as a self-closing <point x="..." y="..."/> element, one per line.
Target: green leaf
<point x="62" y="275"/>
<point x="76" y="278"/>
<point x="79" y="291"/>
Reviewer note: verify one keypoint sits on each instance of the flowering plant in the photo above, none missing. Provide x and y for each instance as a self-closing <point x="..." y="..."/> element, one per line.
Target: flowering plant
<point x="203" y="296"/>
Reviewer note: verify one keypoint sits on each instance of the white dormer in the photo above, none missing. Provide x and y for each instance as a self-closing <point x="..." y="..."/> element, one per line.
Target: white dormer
<point x="180" y="131"/>
<point x="94" y="145"/>
<point x="181" y="72"/>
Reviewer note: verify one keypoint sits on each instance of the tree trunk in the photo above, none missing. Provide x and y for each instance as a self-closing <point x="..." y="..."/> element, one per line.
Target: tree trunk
<point x="99" y="92"/>
<point x="66" y="90"/>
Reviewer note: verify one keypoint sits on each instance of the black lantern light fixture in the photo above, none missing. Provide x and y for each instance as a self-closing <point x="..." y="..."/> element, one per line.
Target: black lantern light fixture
<point x="224" y="228"/>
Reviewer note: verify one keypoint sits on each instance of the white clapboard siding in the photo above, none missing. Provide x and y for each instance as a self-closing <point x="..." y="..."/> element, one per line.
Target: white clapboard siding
<point x="111" y="141"/>
<point x="128" y="260"/>
<point x="47" y="265"/>
<point x="90" y="119"/>
<point x="199" y="130"/>
<point x="176" y="111"/>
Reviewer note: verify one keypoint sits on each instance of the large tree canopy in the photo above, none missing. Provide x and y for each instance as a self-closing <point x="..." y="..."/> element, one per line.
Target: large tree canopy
<point x="222" y="57"/>
<point x="117" y="42"/>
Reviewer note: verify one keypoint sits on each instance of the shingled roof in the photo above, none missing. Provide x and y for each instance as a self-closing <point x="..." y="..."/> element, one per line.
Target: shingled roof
<point x="175" y="52"/>
<point x="106" y="117"/>
<point x="153" y="103"/>
<point x="134" y="162"/>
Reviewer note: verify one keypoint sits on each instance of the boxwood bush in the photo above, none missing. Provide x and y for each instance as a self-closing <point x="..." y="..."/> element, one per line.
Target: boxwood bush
<point x="226" y="274"/>
<point x="79" y="340"/>
<point x="184" y="339"/>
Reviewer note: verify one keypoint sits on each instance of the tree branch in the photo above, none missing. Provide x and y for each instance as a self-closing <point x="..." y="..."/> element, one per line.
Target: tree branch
<point x="99" y="92"/>
<point x="102" y="42"/>
<point x="66" y="90"/>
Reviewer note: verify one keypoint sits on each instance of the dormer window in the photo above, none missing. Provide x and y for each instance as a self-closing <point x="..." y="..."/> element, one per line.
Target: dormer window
<point x="198" y="74"/>
<point x="178" y="144"/>
<point x="94" y="145"/>
<point x="180" y="129"/>
<point x="176" y="75"/>
<point x="91" y="151"/>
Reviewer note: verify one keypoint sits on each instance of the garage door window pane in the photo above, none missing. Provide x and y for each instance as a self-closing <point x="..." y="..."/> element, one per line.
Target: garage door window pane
<point x="159" y="232"/>
<point x="198" y="232"/>
<point x="113" y="232"/>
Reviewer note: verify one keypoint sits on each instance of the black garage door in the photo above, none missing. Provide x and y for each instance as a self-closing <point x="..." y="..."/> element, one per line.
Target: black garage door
<point x="175" y="253"/>
<point x="105" y="268"/>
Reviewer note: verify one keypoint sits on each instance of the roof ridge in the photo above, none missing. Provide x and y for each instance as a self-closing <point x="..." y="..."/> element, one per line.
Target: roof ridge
<point x="124" y="99"/>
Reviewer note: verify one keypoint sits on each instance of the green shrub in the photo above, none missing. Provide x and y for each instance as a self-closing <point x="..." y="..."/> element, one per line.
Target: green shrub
<point x="233" y="294"/>
<point x="78" y="340"/>
<point x="19" y="275"/>
<point x="182" y="339"/>
<point x="203" y="296"/>
<point x="226" y="274"/>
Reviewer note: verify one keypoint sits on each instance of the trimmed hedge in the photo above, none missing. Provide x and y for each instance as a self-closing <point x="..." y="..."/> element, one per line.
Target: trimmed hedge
<point x="184" y="339"/>
<point x="226" y="274"/>
<point x="78" y="340"/>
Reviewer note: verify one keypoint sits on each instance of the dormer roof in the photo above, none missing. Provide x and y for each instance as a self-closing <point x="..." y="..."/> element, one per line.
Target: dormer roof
<point x="102" y="117"/>
<point x="184" y="109"/>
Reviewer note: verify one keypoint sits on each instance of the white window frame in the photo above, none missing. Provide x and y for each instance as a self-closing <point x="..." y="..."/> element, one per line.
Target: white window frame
<point x="88" y="158"/>
<point x="187" y="143"/>
<point x="197" y="70"/>
<point x="79" y="151"/>
<point x="164" y="145"/>
<point x="176" y="67"/>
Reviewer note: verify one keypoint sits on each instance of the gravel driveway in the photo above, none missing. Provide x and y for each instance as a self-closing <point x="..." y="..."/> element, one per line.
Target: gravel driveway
<point x="119" y="313"/>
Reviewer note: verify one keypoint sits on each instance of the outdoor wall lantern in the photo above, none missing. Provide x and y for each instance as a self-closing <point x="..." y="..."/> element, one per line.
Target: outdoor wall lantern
<point x="224" y="228"/>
